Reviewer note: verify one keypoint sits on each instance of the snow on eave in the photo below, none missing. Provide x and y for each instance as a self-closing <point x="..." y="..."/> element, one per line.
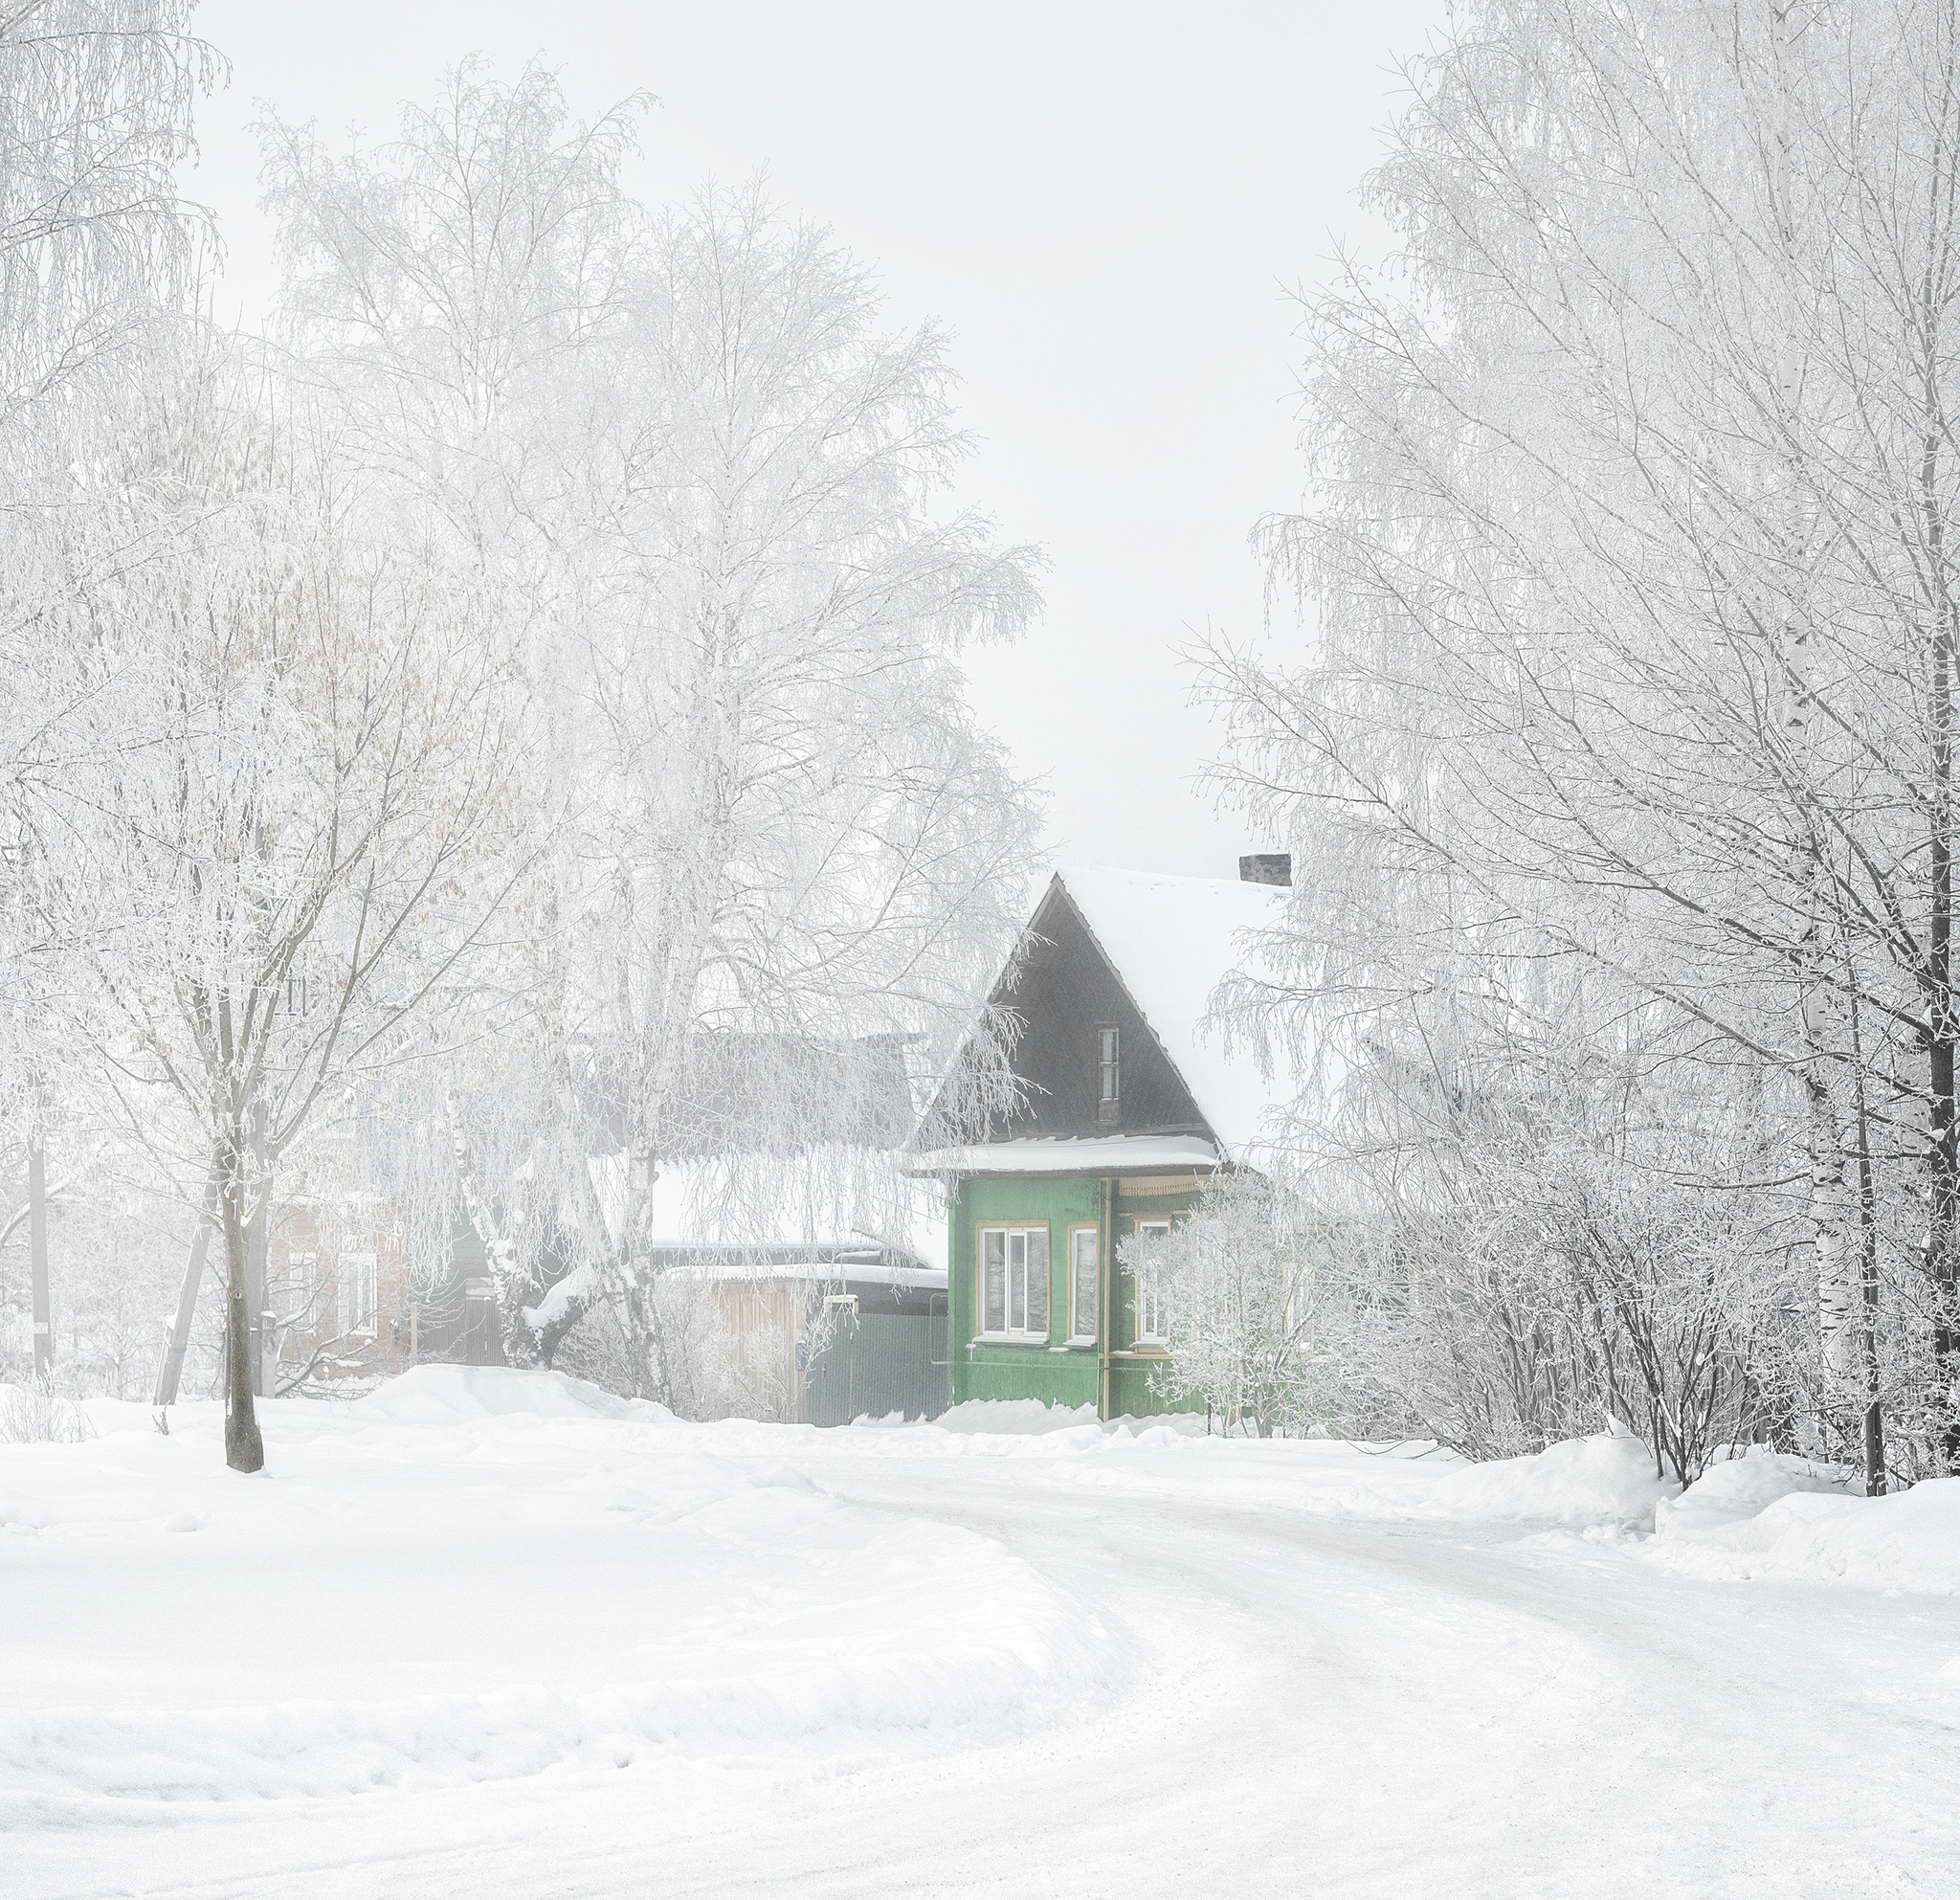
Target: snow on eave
<point x="1073" y="1154"/>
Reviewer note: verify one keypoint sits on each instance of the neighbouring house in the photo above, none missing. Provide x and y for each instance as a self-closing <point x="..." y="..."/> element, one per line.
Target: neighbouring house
<point x="797" y="1281"/>
<point x="1129" y="1099"/>
<point x="803" y="1279"/>
<point x="340" y="1308"/>
<point x="794" y="1228"/>
<point x="818" y="1319"/>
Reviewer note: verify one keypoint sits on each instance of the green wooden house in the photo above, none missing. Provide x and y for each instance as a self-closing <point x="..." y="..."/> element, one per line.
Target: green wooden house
<point x="1130" y="1101"/>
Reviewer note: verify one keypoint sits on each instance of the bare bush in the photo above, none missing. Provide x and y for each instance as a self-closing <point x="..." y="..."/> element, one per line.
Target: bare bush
<point x="34" y="1413"/>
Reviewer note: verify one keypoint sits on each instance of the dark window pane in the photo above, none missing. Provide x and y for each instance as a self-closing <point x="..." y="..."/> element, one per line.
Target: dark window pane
<point x="1085" y="1263"/>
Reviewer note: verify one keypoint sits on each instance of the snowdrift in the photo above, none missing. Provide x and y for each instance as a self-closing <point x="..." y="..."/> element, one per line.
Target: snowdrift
<point x="875" y="1667"/>
<point x="1810" y="1532"/>
<point x="1738" y="1489"/>
<point x="1608" y="1480"/>
<point x="1016" y="1418"/>
<point x="461" y="1395"/>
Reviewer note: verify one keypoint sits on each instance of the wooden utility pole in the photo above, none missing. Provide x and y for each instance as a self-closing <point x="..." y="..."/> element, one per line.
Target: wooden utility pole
<point x="172" y="1372"/>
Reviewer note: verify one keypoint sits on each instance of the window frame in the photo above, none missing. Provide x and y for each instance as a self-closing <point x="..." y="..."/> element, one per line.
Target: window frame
<point x="1108" y="1074"/>
<point x="304" y="1282"/>
<point x="1022" y="1335"/>
<point x="1140" y="1337"/>
<point x="1076" y="1335"/>
<point x="357" y="1284"/>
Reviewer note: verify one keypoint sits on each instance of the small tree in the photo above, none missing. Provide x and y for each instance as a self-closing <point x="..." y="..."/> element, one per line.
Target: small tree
<point x="280" y="738"/>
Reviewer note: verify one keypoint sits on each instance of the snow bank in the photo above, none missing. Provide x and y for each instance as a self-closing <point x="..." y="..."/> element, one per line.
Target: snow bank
<point x="1015" y="1417"/>
<point x="462" y="1395"/>
<point x="872" y="1660"/>
<point x="1740" y="1488"/>
<point x="1605" y="1480"/>
<point x="1814" y="1533"/>
<point x="480" y="1573"/>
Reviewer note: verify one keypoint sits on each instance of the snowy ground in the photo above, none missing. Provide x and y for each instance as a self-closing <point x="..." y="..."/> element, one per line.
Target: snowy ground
<point x="489" y="1635"/>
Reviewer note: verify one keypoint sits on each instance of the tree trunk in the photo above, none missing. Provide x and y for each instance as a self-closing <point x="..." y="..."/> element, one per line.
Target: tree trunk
<point x="244" y="1447"/>
<point x="37" y="1259"/>
<point x="1872" y="1434"/>
<point x="1943" y="1189"/>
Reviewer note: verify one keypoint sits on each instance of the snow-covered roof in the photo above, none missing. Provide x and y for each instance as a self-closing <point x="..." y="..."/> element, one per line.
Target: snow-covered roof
<point x="826" y="1201"/>
<point x="1173" y="941"/>
<point x="1068" y="1154"/>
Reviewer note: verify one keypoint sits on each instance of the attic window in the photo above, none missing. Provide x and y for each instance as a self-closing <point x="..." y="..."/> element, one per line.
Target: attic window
<point x="1108" y="1072"/>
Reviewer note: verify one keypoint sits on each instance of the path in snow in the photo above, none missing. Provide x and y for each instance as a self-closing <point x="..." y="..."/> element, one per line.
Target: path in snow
<point x="1286" y="1703"/>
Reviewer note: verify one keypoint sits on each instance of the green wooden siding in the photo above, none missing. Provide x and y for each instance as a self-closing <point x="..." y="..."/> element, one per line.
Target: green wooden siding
<point x="1055" y="1372"/>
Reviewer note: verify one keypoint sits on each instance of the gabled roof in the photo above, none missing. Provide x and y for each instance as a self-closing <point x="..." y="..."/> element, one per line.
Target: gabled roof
<point x="1170" y="942"/>
<point x="1173" y="941"/>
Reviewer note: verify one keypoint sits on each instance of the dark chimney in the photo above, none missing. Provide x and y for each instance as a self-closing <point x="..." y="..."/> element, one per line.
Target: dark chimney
<point x="1266" y="867"/>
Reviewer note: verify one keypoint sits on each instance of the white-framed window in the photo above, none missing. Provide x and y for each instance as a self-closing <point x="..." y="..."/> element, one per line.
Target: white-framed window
<point x="1150" y="1323"/>
<point x="1014" y="1283"/>
<point x="1084" y="1277"/>
<point x="1108" y="1072"/>
<point x="358" y="1278"/>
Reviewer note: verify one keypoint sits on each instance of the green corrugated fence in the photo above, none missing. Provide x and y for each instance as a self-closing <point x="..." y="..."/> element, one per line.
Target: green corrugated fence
<point x="880" y="1363"/>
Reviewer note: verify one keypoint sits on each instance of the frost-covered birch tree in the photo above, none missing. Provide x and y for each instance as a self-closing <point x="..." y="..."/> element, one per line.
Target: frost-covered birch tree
<point x="777" y="843"/>
<point x="96" y="100"/>
<point x="1628" y="543"/>
<point x="803" y="840"/>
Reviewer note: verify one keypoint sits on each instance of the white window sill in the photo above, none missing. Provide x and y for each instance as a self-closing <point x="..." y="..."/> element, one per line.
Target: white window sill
<point x="1081" y="1339"/>
<point x="1010" y="1339"/>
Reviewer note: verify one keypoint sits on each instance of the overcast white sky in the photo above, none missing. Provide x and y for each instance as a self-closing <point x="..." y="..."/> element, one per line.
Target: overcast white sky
<point x="1099" y="201"/>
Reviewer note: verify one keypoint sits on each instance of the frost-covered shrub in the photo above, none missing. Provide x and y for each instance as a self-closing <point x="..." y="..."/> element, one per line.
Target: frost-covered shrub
<point x="1239" y="1295"/>
<point x="1553" y="1286"/>
<point x="34" y="1413"/>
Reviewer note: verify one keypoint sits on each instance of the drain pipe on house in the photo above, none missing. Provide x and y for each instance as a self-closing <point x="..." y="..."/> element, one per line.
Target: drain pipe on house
<point x="1106" y="1305"/>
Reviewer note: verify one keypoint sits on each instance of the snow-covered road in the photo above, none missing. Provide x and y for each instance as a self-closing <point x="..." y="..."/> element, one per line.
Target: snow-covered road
<point x="1248" y="1687"/>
